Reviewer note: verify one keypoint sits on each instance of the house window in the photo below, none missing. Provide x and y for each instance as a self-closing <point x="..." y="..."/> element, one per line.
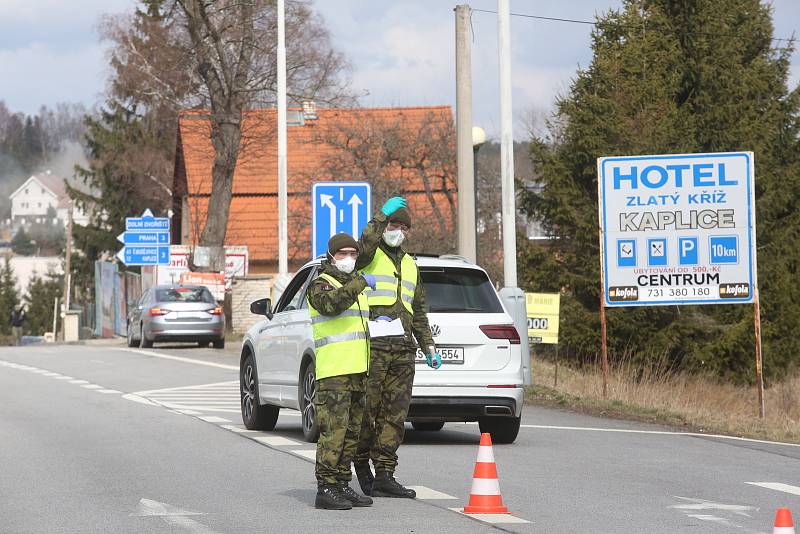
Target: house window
<point x="40" y="204"/>
<point x="43" y="190"/>
<point x="26" y="190"/>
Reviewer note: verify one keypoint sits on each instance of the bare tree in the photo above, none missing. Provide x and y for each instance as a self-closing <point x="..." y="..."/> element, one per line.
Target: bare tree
<point x="220" y="56"/>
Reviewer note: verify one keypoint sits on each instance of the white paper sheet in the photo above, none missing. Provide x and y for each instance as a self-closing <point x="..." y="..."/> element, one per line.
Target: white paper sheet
<point x="385" y="328"/>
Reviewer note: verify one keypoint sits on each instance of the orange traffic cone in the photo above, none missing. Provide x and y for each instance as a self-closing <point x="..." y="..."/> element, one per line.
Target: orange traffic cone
<point x="783" y="522"/>
<point x="485" y="496"/>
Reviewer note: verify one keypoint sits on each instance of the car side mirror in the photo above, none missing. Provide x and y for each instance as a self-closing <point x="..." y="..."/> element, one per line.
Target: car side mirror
<point x="262" y="307"/>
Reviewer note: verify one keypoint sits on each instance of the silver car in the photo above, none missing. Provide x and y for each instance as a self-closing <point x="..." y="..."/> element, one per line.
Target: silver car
<point x="176" y="313"/>
<point x="481" y="378"/>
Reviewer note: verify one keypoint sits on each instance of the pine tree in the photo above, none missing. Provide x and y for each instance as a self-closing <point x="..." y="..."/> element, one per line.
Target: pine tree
<point x="41" y="295"/>
<point x="9" y="298"/>
<point x="677" y="77"/>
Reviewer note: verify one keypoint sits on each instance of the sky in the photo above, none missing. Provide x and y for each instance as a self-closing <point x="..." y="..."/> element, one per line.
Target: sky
<point x="401" y="51"/>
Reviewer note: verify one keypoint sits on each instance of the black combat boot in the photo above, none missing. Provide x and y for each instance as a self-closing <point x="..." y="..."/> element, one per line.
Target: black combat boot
<point x="386" y="486"/>
<point x="330" y="497"/>
<point x="351" y="495"/>
<point x="365" y="477"/>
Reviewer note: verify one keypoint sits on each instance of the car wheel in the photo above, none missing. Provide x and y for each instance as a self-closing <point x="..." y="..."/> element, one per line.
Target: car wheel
<point x="219" y="343"/>
<point x="255" y="416"/>
<point x="307" y="409"/>
<point x="143" y="341"/>
<point x="502" y="429"/>
<point x="132" y="341"/>
<point x="427" y="426"/>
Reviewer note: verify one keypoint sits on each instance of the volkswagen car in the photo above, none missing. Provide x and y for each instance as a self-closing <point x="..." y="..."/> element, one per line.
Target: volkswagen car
<point x="481" y="377"/>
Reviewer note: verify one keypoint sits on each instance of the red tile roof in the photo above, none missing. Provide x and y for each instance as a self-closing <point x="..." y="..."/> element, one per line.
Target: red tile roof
<point x="253" y="219"/>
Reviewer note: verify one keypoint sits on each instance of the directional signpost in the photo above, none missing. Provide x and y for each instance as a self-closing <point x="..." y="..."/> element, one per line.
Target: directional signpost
<point x="338" y="207"/>
<point x="146" y="240"/>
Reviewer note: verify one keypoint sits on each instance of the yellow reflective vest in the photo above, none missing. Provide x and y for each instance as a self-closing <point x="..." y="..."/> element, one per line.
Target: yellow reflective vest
<point x="341" y="341"/>
<point x="388" y="289"/>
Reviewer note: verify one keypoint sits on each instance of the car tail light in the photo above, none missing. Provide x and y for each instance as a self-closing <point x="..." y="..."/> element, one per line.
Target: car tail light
<point x="215" y="311"/>
<point x="155" y="312"/>
<point x="501" y="331"/>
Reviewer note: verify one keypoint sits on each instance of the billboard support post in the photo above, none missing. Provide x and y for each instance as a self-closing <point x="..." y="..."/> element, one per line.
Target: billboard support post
<point x="603" y="344"/>
<point x="759" y="375"/>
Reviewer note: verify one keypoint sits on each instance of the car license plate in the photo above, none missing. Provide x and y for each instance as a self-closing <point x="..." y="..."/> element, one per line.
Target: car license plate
<point x="450" y="355"/>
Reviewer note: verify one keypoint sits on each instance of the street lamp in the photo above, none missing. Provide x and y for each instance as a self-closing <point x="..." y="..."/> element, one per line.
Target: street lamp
<point x="478" y="139"/>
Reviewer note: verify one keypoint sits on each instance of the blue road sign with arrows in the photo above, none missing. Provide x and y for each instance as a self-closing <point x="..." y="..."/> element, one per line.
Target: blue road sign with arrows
<point x="338" y="207"/>
<point x="146" y="240"/>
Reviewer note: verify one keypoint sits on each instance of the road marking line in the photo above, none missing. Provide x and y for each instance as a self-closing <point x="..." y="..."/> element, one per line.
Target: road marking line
<point x="108" y="391"/>
<point x="51" y="374"/>
<point x="777" y="486"/>
<point x="136" y="398"/>
<point x="277" y="441"/>
<point x="491" y="518"/>
<point x="182" y="359"/>
<point x="181" y="388"/>
<point x="311" y="454"/>
<point x="702" y="504"/>
<point x="238" y="429"/>
<point x="213" y="419"/>
<point x="78" y="381"/>
<point x="427" y="493"/>
<point x="190" y="412"/>
<point x="64" y="377"/>
<point x="657" y="432"/>
<point x="92" y="386"/>
<point x="40" y="371"/>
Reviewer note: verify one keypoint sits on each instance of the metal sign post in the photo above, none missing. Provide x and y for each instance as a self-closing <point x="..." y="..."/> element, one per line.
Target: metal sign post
<point x="678" y="229"/>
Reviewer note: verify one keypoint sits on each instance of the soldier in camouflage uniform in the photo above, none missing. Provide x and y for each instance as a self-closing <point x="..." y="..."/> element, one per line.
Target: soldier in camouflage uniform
<point x="399" y="295"/>
<point x="339" y="313"/>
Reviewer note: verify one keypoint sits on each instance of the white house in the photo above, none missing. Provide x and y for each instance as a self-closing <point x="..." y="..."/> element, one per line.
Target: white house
<point x="31" y="201"/>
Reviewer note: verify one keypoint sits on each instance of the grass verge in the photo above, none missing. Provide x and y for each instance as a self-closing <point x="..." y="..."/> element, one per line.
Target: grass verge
<point x="688" y="403"/>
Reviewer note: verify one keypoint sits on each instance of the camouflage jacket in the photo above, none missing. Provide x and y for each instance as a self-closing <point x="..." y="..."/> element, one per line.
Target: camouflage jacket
<point x="417" y="324"/>
<point x="329" y="300"/>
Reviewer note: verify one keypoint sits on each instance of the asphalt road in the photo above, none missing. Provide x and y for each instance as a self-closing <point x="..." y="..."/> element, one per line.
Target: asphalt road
<point x="109" y="439"/>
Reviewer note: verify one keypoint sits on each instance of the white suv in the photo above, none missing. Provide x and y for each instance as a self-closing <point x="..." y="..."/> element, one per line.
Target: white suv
<point x="480" y="378"/>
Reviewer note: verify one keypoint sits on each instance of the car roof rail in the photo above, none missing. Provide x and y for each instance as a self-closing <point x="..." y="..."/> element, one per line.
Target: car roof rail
<point x="454" y="257"/>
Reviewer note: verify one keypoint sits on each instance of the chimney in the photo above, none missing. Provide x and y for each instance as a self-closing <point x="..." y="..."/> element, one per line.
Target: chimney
<point x="310" y="110"/>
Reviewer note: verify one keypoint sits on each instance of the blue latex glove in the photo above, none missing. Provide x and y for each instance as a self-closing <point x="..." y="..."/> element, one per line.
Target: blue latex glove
<point x="434" y="358"/>
<point x="382" y="318"/>
<point x="370" y="279"/>
<point x="392" y="205"/>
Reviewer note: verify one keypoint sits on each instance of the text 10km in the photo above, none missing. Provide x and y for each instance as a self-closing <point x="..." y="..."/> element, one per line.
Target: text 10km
<point x="678" y="175"/>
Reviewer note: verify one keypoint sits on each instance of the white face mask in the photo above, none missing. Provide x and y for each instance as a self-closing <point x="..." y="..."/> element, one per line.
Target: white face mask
<point x="346" y="265"/>
<point x="393" y="238"/>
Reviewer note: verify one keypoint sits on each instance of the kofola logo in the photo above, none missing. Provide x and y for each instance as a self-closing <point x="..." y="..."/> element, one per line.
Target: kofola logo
<point x="623" y="293"/>
<point x="734" y="291"/>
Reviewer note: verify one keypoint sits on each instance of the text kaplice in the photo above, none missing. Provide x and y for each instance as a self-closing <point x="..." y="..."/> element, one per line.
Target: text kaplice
<point x="635" y="221"/>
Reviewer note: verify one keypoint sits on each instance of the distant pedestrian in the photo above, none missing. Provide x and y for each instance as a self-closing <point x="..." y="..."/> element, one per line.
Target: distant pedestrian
<point x="18" y="318"/>
<point x="339" y="314"/>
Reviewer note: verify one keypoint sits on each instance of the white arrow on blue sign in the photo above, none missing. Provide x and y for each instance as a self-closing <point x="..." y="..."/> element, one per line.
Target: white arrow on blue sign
<point x="338" y="207"/>
<point x="147" y="240"/>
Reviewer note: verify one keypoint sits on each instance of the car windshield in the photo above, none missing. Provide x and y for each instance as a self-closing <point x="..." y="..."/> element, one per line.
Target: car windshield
<point x="455" y="290"/>
<point x="184" y="294"/>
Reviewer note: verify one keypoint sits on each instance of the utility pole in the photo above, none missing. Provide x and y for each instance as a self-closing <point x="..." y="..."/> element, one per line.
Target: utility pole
<point x="513" y="296"/>
<point x="67" y="269"/>
<point x="283" y="249"/>
<point x="465" y="157"/>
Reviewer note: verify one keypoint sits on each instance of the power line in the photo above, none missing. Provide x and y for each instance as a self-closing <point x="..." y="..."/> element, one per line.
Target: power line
<point x="594" y="23"/>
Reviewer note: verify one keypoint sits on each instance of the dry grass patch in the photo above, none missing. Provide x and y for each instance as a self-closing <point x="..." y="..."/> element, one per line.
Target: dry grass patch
<point x="657" y="395"/>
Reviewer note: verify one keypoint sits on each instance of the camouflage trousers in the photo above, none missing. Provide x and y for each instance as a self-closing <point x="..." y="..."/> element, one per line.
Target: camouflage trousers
<point x="391" y="375"/>
<point x="339" y="404"/>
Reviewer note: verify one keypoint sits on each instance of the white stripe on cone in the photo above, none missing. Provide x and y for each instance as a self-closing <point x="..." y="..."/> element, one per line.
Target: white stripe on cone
<point x="485" y="486"/>
<point x="783" y="530"/>
<point x="485" y="454"/>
